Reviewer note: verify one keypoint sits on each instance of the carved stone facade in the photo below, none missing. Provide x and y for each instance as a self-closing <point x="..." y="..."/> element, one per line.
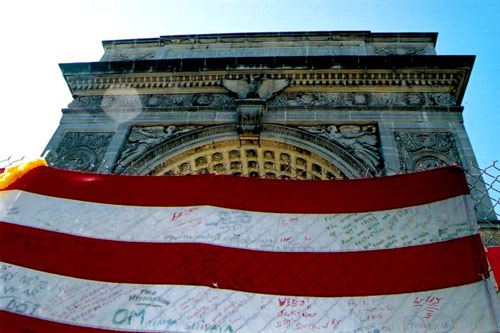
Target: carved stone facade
<point x="359" y="140"/>
<point x="380" y="50"/>
<point x="143" y="139"/>
<point x="268" y="159"/>
<point x="426" y="150"/>
<point x="150" y="102"/>
<point x="270" y="45"/>
<point x="412" y="99"/>
<point x="303" y="105"/>
<point x="80" y="151"/>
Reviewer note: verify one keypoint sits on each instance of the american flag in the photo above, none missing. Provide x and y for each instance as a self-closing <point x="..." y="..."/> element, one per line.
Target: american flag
<point x="83" y="252"/>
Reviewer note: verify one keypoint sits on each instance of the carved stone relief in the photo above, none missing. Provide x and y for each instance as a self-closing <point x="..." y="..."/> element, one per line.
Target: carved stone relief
<point x="351" y="166"/>
<point x="307" y="99"/>
<point x="249" y="119"/>
<point x="81" y="151"/>
<point x="359" y="140"/>
<point x="163" y="148"/>
<point x="221" y="100"/>
<point x="142" y="139"/>
<point x="134" y="54"/>
<point x="364" y="99"/>
<point x="153" y="102"/>
<point x="150" y="101"/>
<point x="442" y="99"/>
<point x="360" y="98"/>
<point x="384" y="51"/>
<point x="129" y="100"/>
<point x="85" y="102"/>
<point x="425" y="150"/>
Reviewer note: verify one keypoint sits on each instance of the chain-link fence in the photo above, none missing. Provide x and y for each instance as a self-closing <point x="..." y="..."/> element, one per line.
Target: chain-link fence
<point x="7" y="162"/>
<point x="485" y="190"/>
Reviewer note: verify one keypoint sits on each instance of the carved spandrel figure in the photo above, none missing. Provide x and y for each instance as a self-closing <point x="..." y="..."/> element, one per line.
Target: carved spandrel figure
<point x="143" y="138"/>
<point x="361" y="139"/>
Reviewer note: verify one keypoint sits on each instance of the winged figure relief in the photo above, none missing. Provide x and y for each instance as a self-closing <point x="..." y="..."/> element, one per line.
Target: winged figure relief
<point x="142" y="139"/>
<point x="361" y="139"/>
<point x="252" y="88"/>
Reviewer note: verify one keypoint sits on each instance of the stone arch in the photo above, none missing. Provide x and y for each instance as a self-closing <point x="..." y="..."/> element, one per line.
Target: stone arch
<point x="314" y="156"/>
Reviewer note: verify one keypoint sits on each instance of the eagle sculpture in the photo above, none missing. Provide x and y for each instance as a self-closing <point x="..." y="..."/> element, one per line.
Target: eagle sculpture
<point x="253" y="88"/>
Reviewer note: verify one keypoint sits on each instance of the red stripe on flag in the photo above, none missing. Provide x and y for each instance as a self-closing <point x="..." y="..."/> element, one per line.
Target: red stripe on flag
<point x="265" y="195"/>
<point x="358" y="273"/>
<point x="493" y="254"/>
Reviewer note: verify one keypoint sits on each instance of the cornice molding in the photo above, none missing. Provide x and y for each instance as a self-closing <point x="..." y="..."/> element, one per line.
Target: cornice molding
<point x="330" y="80"/>
<point x="326" y="73"/>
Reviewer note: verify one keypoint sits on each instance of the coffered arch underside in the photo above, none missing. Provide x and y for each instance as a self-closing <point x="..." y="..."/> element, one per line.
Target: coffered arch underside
<point x="279" y="152"/>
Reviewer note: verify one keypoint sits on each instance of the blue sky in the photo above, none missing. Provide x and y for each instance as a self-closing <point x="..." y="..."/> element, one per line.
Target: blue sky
<point x="38" y="35"/>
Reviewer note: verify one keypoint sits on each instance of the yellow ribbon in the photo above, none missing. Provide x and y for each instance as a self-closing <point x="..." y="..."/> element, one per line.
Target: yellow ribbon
<point x="11" y="174"/>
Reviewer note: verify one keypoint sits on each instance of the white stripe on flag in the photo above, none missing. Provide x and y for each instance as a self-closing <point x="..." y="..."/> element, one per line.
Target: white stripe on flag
<point x="157" y="308"/>
<point x="416" y="225"/>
